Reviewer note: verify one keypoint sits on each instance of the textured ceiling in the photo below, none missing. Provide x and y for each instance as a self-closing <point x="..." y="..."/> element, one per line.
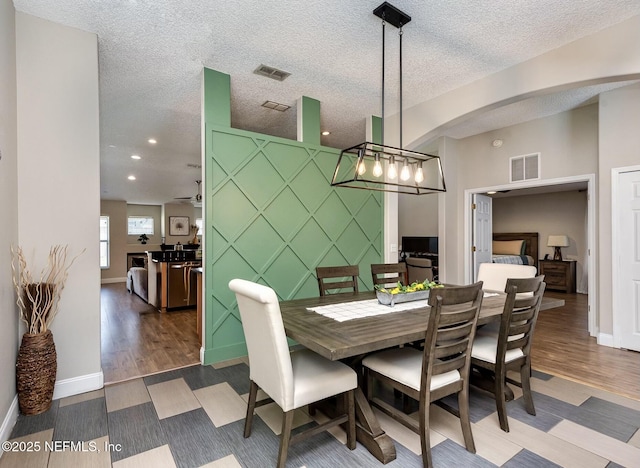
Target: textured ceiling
<point x="152" y="52"/>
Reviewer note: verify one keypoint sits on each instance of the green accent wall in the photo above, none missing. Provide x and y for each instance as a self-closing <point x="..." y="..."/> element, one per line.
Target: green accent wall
<point x="272" y="217"/>
<point x="309" y="113"/>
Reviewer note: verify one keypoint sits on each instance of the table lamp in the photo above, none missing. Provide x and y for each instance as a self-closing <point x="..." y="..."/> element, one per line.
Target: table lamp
<point x="557" y="242"/>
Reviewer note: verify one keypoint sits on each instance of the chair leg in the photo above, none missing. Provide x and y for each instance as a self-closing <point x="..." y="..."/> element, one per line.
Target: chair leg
<point x="501" y="403"/>
<point x="525" y="372"/>
<point x="285" y="437"/>
<point x="350" y="405"/>
<point x="465" y="421"/>
<point x="251" y="405"/>
<point x="425" y="442"/>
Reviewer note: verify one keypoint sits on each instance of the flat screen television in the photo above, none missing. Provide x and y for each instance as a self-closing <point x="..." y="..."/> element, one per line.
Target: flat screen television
<point x="420" y="244"/>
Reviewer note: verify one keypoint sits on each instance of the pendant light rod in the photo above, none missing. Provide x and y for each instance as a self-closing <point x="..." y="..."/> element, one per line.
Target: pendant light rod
<point x="400" y="33"/>
<point x="382" y="117"/>
<point x="397" y="18"/>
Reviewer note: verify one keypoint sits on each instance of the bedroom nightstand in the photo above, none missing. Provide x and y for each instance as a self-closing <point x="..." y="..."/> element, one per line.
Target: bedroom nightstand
<point x="560" y="275"/>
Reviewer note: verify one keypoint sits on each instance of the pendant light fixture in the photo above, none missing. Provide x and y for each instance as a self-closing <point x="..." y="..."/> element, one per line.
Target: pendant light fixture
<point x="373" y="166"/>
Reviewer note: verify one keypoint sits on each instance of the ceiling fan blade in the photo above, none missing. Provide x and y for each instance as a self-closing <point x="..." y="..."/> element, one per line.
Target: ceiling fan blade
<point x="183" y="198"/>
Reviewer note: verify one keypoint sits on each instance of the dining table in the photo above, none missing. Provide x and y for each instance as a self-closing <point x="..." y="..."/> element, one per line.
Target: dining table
<point x="350" y="340"/>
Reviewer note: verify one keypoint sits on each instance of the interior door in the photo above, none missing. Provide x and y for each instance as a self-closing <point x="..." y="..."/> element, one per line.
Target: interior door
<point x="628" y="239"/>
<point x="482" y="235"/>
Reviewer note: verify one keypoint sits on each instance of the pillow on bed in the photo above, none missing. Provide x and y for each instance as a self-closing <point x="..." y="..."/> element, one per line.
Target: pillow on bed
<point x="513" y="247"/>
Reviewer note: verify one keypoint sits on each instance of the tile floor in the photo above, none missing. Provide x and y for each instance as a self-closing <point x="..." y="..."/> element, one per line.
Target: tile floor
<point x="194" y="417"/>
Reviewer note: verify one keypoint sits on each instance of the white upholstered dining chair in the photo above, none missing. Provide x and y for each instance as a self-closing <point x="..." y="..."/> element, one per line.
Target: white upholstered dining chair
<point x="441" y="369"/>
<point x="494" y="352"/>
<point x="494" y="275"/>
<point x="291" y="380"/>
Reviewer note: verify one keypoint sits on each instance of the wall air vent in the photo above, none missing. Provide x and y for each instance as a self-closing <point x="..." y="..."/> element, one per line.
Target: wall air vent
<point x="271" y="72"/>
<point x="194" y="166"/>
<point x="275" y="106"/>
<point x="525" y="167"/>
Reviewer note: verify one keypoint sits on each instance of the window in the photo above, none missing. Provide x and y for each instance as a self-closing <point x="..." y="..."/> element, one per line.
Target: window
<point x="137" y="225"/>
<point x="199" y="224"/>
<point x="104" y="242"/>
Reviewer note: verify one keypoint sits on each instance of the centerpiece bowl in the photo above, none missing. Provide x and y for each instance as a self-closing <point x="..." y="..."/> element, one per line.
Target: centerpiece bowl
<point x="400" y="293"/>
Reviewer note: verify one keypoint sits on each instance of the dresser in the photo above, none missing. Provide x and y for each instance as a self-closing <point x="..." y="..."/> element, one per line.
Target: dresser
<point x="560" y="275"/>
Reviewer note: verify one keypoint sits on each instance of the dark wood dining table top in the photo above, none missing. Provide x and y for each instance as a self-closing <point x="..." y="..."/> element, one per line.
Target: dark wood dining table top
<point x="339" y="340"/>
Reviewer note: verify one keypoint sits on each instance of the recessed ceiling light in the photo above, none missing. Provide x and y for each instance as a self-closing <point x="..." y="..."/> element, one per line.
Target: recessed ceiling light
<point x="131" y="177"/>
<point x="326" y="133"/>
<point x="491" y="192"/>
<point x="152" y="141"/>
<point x="112" y="146"/>
<point x="135" y="156"/>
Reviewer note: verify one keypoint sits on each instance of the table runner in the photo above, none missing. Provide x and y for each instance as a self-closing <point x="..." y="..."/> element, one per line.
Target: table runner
<point x="368" y="308"/>
<point x="360" y="309"/>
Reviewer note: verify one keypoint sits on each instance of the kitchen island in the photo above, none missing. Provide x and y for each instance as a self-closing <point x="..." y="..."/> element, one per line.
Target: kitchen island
<point x="172" y="279"/>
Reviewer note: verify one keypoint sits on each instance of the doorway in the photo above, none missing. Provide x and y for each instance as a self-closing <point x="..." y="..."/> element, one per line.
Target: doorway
<point x="543" y="185"/>
<point x="625" y="274"/>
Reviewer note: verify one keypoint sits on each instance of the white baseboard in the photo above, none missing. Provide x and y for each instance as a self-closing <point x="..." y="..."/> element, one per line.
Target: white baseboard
<point x="113" y="280"/>
<point x="9" y="421"/>
<point x="605" y="339"/>
<point x="77" y="385"/>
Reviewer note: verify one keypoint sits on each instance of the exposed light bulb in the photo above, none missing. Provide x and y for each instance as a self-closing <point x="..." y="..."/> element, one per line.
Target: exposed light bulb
<point x="419" y="174"/>
<point x="392" y="172"/>
<point x="361" y="167"/>
<point x="377" y="167"/>
<point x="405" y="173"/>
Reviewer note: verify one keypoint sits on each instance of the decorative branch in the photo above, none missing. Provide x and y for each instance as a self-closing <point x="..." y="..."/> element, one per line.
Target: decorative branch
<point x="38" y="300"/>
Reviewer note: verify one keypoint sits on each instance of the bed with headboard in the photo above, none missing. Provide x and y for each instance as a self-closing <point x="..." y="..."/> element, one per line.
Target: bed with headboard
<point x="515" y="247"/>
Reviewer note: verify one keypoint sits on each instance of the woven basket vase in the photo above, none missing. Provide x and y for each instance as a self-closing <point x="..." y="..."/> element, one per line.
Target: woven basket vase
<point x="36" y="369"/>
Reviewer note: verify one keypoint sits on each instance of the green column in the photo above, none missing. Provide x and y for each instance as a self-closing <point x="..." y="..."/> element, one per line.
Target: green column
<point x="217" y="98"/>
<point x="309" y="120"/>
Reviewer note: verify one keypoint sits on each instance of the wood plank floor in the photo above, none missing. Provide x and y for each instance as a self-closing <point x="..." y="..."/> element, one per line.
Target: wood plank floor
<point x="137" y="340"/>
<point x="562" y="346"/>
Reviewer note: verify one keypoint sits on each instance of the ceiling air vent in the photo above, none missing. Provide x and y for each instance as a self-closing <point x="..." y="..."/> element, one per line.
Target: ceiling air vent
<point x="275" y="106"/>
<point x="271" y="72"/>
<point x="525" y="167"/>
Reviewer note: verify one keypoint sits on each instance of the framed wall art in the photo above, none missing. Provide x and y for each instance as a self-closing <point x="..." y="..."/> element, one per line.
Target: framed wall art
<point x="179" y="226"/>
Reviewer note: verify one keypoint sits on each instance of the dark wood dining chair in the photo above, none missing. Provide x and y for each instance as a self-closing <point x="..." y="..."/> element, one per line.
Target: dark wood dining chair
<point x="441" y="369"/>
<point x="389" y="274"/>
<point x="338" y="279"/>
<point x="495" y="352"/>
<point x="291" y="380"/>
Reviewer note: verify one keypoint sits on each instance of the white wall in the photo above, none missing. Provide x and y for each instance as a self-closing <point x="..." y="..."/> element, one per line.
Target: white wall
<point x="417" y="216"/>
<point x="619" y="146"/>
<point x="8" y="214"/>
<point x="59" y="181"/>
<point x="567" y="142"/>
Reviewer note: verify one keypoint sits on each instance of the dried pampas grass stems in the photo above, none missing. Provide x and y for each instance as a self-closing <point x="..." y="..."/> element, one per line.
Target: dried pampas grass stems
<point x="38" y="299"/>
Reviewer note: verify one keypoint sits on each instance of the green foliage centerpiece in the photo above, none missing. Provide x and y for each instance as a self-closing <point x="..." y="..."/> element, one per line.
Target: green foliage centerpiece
<point x="416" y="291"/>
